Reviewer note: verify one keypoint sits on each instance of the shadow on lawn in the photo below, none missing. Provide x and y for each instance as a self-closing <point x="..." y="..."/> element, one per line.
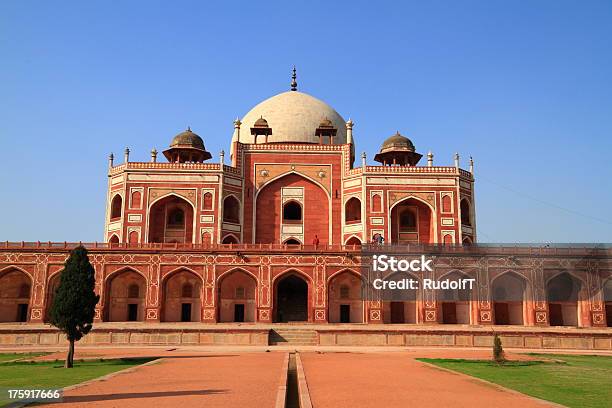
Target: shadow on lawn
<point x="119" y="360"/>
<point x="133" y="395"/>
<point x="507" y="363"/>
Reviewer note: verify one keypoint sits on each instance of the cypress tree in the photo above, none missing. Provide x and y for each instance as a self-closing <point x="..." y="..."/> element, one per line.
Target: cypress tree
<point x="74" y="303"/>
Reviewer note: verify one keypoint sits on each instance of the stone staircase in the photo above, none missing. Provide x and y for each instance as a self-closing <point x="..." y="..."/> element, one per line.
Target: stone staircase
<point x="290" y="337"/>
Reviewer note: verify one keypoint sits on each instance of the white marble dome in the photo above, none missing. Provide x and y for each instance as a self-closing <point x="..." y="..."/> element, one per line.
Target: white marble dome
<point x="293" y="117"/>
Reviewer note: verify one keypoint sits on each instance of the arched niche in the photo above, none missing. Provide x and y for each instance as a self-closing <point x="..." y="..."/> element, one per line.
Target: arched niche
<point x="352" y="211"/>
<point x="455" y="304"/>
<point x="345" y="294"/>
<point x="412" y="222"/>
<point x="508" y="293"/>
<point x="171" y="220"/>
<point x="563" y="294"/>
<point x="181" y="297"/>
<point x="15" y="292"/>
<point x="237" y="297"/>
<point x="400" y="306"/>
<point x="125" y="296"/>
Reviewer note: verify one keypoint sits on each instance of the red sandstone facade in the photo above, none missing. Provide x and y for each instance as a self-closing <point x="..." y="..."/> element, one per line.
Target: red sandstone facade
<point x="276" y="236"/>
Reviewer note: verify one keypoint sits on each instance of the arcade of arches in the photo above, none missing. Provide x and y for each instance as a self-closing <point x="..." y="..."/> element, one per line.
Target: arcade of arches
<point x="238" y="297"/>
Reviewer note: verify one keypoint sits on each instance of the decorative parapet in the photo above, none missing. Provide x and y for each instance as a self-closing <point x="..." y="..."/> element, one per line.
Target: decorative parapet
<point x="445" y="170"/>
<point x="169" y="166"/>
<point x="603" y="251"/>
<point x="298" y="147"/>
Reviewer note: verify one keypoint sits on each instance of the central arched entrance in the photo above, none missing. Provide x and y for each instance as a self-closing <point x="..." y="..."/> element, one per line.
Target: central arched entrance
<point x="291" y="299"/>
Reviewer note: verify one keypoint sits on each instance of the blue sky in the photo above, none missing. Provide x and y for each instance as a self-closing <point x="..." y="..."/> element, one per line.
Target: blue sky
<point x="523" y="87"/>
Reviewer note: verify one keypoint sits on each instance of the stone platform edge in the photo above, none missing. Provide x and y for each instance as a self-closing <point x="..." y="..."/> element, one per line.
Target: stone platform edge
<point x="327" y="335"/>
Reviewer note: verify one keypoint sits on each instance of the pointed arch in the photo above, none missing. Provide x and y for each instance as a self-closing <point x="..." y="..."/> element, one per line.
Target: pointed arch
<point x="447" y="203"/>
<point x="121" y="304"/>
<point x="267" y="222"/>
<point x="177" y="305"/>
<point x="136" y="199"/>
<point x="116" y="206"/>
<point x="345" y="297"/>
<point x="289" y="271"/>
<point x="352" y="210"/>
<point x="292" y="293"/>
<point x="230" y="239"/>
<point x="207" y="201"/>
<point x="157" y="228"/>
<point x="376" y="202"/>
<point x="509" y="291"/>
<point x="231" y="209"/>
<point x="237" y="293"/>
<point x="125" y="269"/>
<point x="16" y="293"/>
<point x="133" y="237"/>
<point x="9" y="268"/>
<point x="180" y="269"/>
<point x="433" y="219"/>
<point x="402" y="306"/>
<point x="456" y="304"/>
<point x="347" y="270"/>
<point x="569" y="272"/>
<point x="292" y="241"/>
<point x="353" y="240"/>
<point x="564" y="293"/>
<point x="292" y="212"/>
<point x="52" y="283"/>
<point x="287" y="174"/>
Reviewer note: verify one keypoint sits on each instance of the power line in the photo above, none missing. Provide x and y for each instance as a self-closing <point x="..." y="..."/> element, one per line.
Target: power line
<point x="568" y="210"/>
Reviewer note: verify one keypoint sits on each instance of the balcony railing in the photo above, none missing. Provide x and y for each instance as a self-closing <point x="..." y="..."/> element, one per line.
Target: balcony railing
<point x="599" y="250"/>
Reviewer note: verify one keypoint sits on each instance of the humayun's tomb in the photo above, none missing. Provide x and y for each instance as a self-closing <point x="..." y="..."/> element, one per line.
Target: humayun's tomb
<point x="197" y="251"/>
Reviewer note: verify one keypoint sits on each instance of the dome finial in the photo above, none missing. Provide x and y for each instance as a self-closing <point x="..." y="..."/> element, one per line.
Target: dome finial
<point x="293" y="80"/>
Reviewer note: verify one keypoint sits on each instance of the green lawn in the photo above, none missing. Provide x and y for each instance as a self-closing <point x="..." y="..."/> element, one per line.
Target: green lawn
<point x="50" y="374"/>
<point x="574" y="381"/>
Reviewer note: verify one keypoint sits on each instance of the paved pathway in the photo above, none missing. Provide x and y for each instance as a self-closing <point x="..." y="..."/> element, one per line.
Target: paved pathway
<point x="212" y="380"/>
<point x="394" y="380"/>
<point x="195" y="378"/>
